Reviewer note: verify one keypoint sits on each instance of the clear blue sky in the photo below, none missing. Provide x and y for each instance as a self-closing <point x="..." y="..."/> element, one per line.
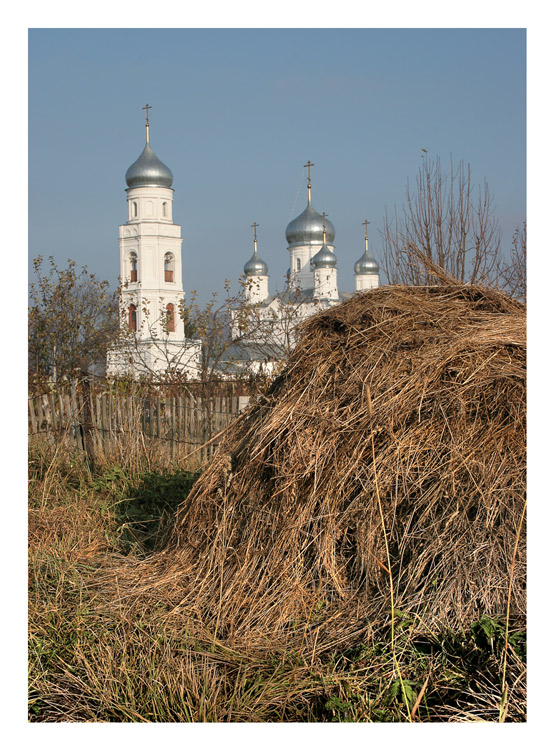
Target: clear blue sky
<point x="235" y="115"/>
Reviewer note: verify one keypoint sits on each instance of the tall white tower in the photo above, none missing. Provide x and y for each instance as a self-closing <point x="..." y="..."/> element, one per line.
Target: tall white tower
<point x="366" y="269"/>
<point x="151" y="275"/>
<point x="305" y="238"/>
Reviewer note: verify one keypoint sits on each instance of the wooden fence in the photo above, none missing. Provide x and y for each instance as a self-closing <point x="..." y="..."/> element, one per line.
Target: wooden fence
<point x="176" y="423"/>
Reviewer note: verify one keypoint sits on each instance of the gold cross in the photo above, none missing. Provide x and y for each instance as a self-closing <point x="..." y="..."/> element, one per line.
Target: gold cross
<point x="364" y="224"/>
<point x="255" y="238"/>
<point x="309" y="164"/>
<point x="147" y="124"/>
<point x="324" y="232"/>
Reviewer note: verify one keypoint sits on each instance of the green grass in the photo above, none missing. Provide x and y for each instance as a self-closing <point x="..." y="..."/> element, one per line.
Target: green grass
<point x="97" y="660"/>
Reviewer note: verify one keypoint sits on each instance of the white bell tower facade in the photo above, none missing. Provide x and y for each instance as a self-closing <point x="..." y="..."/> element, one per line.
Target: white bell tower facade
<point x="150" y="262"/>
<point x="151" y="276"/>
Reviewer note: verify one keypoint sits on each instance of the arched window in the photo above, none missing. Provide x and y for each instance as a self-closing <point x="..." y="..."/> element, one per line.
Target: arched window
<point x="133" y="317"/>
<point x="298" y="264"/>
<point x="169" y="267"/>
<point x="135" y="209"/>
<point x="164" y="209"/>
<point x="133" y="266"/>
<point x="170" y="317"/>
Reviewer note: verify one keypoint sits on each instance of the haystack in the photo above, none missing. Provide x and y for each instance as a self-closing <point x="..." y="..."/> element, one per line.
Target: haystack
<point x="391" y="450"/>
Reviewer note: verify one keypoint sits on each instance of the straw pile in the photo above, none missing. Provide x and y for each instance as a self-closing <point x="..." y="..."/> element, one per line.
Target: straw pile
<point x="391" y="449"/>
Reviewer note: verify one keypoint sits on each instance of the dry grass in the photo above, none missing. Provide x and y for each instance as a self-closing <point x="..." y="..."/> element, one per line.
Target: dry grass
<point x="271" y="600"/>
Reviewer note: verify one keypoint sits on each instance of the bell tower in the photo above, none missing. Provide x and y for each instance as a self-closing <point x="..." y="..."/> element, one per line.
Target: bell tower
<point x="150" y="267"/>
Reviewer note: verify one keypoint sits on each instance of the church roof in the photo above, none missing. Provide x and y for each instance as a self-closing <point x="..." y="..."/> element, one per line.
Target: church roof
<point x="307" y="229"/>
<point x="255" y="266"/>
<point x="366" y="264"/>
<point x="148" y="171"/>
<point x="300" y="296"/>
<point x="325" y="258"/>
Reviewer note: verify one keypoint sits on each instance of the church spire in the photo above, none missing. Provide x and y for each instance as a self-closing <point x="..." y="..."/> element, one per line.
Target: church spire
<point x="255" y="266"/>
<point x="256" y="273"/>
<point x="148" y="170"/>
<point x="366" y="269"/>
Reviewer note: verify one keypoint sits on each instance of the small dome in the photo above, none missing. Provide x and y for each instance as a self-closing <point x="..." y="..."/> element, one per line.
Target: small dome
<point x="148" y="171"/>
<point x="325" y="258"/>
<point x="366" y="264"/>
<point x="307" y="229"/>
<point x="255" y="266"/>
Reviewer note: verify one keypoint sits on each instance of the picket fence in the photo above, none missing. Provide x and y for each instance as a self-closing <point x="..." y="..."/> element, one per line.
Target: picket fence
<point x="177" y="424"/>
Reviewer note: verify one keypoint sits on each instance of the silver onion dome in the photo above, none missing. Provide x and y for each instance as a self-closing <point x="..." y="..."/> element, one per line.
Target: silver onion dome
<point x="307" y="229"/>
<point x="255" y="266"/>
<point x="148" y="171"/>
<point x="325" y="258"/>
<point x="366" y="264"/>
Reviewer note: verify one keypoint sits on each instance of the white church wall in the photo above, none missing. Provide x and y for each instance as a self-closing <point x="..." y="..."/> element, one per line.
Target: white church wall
<point x="366" y="281"/>
<point x="256" y="289"/>
<point x="325" y="283"/>
<point x="149" y="204"/>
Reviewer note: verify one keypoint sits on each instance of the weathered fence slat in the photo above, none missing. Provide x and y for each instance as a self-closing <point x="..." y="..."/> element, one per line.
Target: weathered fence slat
<point x="34" y="429"/>
<point x="64" y="423"/>
<point x="40" y="417"/>
<point x="52" y="405"/>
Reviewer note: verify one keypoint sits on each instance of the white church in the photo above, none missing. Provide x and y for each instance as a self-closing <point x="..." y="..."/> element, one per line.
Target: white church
<point x="152" y="339"/>
<point x="267" y="336"/>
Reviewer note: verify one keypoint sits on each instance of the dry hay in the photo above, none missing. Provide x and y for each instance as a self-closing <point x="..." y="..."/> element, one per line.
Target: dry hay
<point x="409" y="400"/>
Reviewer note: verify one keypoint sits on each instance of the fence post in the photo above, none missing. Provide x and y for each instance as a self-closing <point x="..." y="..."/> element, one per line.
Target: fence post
<point x="33" y="419"/>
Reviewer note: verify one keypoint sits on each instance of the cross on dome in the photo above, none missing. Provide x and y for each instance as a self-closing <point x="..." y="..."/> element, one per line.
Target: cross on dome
<point x="255" y="238"/>
<point x="364" y="224"/>
<point x="147" y="107"/>
<point x="309" y="164"/>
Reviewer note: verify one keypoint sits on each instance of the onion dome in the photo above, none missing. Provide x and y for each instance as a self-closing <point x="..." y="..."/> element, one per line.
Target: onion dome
<point x="255" y="266"/>
<point x="148" y="171"/>
<point x="325" y="258"/>
<point x="307" y="229"/>
<point x="366" y="264"/>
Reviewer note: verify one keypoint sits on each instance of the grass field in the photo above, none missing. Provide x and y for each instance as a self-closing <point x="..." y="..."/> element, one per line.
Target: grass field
<point x="94" y="657"/>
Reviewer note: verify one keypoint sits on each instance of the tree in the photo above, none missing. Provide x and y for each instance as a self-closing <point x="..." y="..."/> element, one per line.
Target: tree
<point x="73" y="318"/>
<point x="514" y="272"/>
<point x="210" y="325"/>
<point x="451" y="224"/>
<point x="268" y="333"/>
